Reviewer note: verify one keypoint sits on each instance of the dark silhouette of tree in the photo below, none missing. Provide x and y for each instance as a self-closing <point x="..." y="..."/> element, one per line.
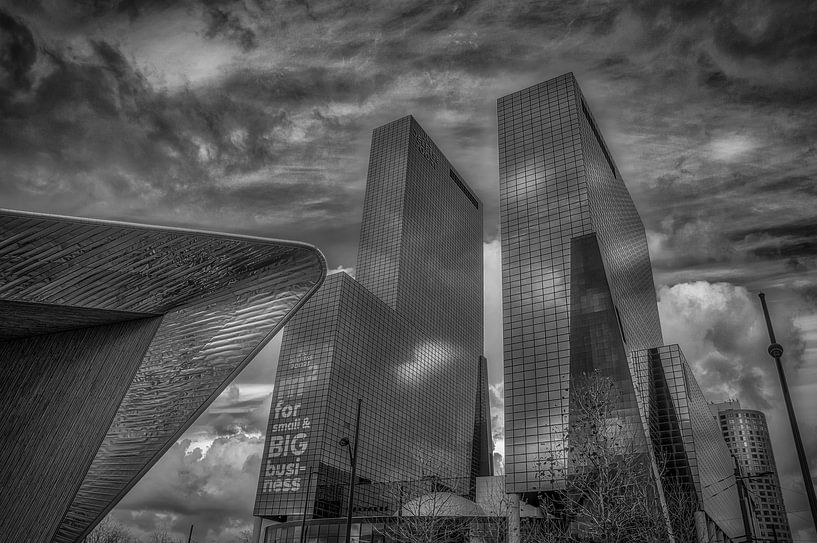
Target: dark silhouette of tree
<point x="109" y="531"/>
<point x="609" y="493"/>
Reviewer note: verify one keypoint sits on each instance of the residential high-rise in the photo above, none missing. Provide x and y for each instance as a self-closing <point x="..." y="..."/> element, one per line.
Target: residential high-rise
<point x="114" y="338"/>
<point x="579" y="298"/>
<point x="405" y="336"/>
<point x="747" y="436"/>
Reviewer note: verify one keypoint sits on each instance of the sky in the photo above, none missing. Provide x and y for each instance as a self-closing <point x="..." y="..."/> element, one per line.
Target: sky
<point x="255" y="117"/>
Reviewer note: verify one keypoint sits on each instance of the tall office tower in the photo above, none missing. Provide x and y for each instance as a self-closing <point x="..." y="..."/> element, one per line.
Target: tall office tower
<point x="747" y="437"/>
<point x="578" y="293"/>
<point x="405" y="337"/>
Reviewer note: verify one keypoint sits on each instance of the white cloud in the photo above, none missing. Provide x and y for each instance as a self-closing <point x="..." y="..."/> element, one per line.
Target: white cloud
<point x="215" y="492"/>
<point x="722" y="332"/>
<point x="732" y="147"/>
<point x="170" y="48"/>
<point x="341" y="269"/>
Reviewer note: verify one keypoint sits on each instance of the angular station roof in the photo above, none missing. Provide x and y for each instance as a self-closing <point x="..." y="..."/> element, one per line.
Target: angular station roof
<point x="217" y="298"/>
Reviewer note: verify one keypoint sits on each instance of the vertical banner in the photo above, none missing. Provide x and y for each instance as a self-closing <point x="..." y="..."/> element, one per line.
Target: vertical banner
<point x="291" y="439"/>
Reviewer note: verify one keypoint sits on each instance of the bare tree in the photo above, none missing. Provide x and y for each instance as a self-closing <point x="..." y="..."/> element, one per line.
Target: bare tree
<point x="244" y="536"/>
<point x="109" y="531"/>
<point x="493" y="527"/>
<point x="609" y="493"/>
<point x="540" y="530"/>
<point x="161" y="535"/>
<point x="681" y="505"/>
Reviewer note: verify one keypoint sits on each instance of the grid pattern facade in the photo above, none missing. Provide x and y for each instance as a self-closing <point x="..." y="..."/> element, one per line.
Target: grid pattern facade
<point x="747" y="437"/>
<point x="574" y="257"/>
<point x="220" y="299"/>
<point x="46" y="379"/>
<point x="421" y="237"/>
<point x="378" y="261"/>
<point x="405" y="337"/>
<point x="687" y="440"/>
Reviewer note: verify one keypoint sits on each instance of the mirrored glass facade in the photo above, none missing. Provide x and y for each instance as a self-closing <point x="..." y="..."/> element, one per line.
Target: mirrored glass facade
<point x="693" y="455"/>
<point x="577" y="284"/>
<point x="126" y="333"/>
<point x="405" y="337"/>
<point x="747" y="436"/>
<point x="578" y="298"/>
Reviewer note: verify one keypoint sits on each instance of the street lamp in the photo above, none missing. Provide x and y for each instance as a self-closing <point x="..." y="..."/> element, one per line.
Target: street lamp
<point x="747" y="528"/>
<point x="776" y="351"/>
<point x="344" y="442"/>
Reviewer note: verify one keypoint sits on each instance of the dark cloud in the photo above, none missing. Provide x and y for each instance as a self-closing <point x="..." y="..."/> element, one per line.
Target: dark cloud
<point x="221" y="22"/>
<point x="593" y="17"/>
<point x="108" y="144"/>
<point x="302" y="85"/>
<point x="799" y="229"/>
<point x="17" y="55"/>
<point x="760" y="30"/>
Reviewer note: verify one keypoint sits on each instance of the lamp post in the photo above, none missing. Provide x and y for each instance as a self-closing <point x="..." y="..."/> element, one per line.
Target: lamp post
<point x="776" y="351"/>
<point x="747" y="528"/>
<point x="344" y="442"/>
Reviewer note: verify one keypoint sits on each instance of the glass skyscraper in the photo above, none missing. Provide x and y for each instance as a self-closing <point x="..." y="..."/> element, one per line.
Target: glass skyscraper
<point x="578" y="293"/>
<point x="696" y="465"/>
<point x="405" y="336"/>
<point x="579" y="298"/>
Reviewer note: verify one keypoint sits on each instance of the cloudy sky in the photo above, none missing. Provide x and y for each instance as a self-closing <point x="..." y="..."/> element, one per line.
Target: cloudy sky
<point x="255" y="117"/>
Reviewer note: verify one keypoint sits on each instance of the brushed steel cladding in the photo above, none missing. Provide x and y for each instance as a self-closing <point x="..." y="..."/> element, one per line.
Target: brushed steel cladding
<point x="60" y="392"/>
<point x="558" y="183"/>
<point x="405" y="336"/>
<point x="220" y="298"/>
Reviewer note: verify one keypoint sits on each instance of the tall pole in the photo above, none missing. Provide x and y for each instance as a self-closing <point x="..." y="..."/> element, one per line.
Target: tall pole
<point x="190" y="535"/>
<point x="742" y="498"/>
<point x="776" y="351"/>
<point x="352" y="475"/>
